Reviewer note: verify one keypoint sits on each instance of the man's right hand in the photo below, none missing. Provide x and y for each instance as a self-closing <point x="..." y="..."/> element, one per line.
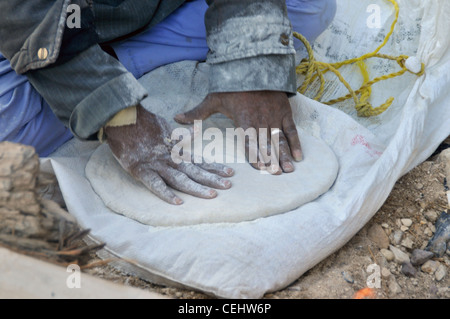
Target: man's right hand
<point x="144" y="150"/>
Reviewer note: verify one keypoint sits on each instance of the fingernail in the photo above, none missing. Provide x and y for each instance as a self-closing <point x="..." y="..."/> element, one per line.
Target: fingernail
<point x="298" y="155"/>
<point x="274" y="169"/>
<point x="228" y="171"/>
<point x="212" y="193"/>
<point x="178" y="201"/>
<point x="287" y="167"/>
<point x="226" y="184"/>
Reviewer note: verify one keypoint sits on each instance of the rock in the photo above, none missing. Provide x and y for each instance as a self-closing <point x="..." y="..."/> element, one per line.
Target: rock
<point x="385" y="273"/>
<point x="407" y="242"/>
<point x="399" y="256"/>
<point x="441" y="272"/>
<point x="406" y="222"/>
<point x="19" y="167"/>
<point x="430" y="267"/>
<point x="408" y="269"/>
<point x="419" y="257"/>
<point x="444" y="157"/>
<point x="393" y="286"/>
<point x="413" y="64"/>
<point x="404" y="228"/>
<point x="428" y="232"/>
<point x="397" y="237"/>
<point x="347" y="277"/>
<point x="432" y="227"/>
<point x="378" y="236"/>
<point x="418" y="186"/>
<point x="389" y="255"/>
<point x="438" y="244"/>
<point x="431" y="216"/>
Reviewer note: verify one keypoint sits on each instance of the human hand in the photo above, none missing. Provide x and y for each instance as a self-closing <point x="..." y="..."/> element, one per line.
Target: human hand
<point x="144" y="150"/>
<point x="268" y="110"/>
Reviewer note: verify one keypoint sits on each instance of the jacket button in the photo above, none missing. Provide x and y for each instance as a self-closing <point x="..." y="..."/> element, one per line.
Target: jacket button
<point x="284" y="39"/>
<point x="42" y="53"/>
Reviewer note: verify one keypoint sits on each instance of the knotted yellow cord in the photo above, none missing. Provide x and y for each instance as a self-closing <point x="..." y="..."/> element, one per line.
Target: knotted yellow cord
<point x="313" y="69"/>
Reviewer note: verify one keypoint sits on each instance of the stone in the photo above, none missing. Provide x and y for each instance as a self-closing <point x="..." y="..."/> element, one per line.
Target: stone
<point x="385" y="273"/>
<point x="397" y="237"/>
<point x="389" y="255"/>
<point x="440" y="273"/>
<point x="431" y="216"/>
<point x="378" y="236"/>
<point x="348" y="277"/>
<point x="413" y="64"/>
<point x="407" y="242"/>
<point x="5" y="184"/>
<point x="432" y="228"/>
<point x="438" y="244"/>
<point x="444" y="157"/>
<point x="393" y="286"/>
<point x="430" y="267"/>
<point x="419" y="257"/>
<point x="408" y="269"/>
<point x="399" y="256"/>
<point x="406" y="222"/>
<point x="428" y="232"/>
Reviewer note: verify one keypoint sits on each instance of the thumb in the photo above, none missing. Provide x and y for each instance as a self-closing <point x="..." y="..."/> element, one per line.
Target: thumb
<point x="209" y="106"/>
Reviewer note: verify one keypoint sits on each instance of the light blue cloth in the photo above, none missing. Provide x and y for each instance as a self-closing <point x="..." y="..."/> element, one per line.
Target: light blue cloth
<point x="24" y="115"/>
<point x="26" y="118"/>
<point x="182" y="35"/>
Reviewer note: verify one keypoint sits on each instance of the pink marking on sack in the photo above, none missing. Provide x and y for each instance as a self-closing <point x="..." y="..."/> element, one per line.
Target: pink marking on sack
<point x="360" y="140"/>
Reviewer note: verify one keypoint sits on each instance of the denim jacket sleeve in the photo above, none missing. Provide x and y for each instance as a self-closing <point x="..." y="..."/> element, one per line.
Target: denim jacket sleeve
<point x="251" y="46"/>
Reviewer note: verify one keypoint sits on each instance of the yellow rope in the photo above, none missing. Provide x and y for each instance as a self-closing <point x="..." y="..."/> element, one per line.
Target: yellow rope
<point x="313" y="69"/>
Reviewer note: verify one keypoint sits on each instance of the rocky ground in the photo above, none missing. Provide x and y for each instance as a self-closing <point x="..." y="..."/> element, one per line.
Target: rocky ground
<point x="389" y="254"/>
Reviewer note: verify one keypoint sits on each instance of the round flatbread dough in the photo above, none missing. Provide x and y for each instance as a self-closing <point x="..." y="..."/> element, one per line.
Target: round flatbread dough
<point x="253" y="194"/>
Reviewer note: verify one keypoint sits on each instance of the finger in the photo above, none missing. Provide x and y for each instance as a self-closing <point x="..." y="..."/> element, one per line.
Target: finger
<point x="290" y="131"/>
<point x="251" y="148"/>
<point x="204" y="177"/>
<point x="217" y="168"/>
<point x="269" y="161"/>
<point x="180" y="181"/>
<point x="209" y="106"/>
<point x="156" y="185"/>
<point x="284" y="153"/>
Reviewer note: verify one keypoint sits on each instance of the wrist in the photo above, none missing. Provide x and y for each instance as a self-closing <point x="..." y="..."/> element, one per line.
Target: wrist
<point x="124" y="117"/>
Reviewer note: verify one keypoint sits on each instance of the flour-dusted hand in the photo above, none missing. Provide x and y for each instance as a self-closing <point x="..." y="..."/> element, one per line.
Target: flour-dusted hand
<point x="144" y="149"/>
<point x="266" y="111"/>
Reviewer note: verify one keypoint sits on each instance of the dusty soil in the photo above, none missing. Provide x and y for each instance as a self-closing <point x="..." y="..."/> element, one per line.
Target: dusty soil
<point x="418" y="196"/>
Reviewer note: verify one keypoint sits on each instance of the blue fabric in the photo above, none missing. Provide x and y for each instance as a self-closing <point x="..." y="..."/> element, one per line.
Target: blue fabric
<point x="310" y="17"/>
<point x="182" y="35"/>
<point x="24" y="115"/>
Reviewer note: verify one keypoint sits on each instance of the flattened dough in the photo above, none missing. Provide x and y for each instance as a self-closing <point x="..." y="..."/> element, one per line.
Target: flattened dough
<point x="252" y="196"/>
